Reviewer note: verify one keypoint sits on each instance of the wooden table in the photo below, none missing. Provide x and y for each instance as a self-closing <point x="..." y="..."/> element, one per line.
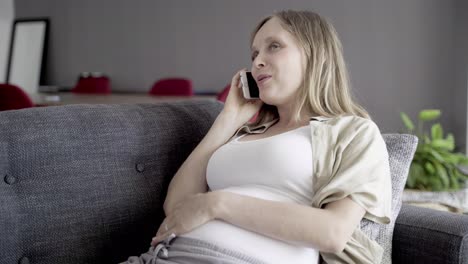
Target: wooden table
<point x="64" y="98"/>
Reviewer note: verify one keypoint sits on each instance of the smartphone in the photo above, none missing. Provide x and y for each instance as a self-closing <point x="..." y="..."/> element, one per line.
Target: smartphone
<point x="249" y="86"/>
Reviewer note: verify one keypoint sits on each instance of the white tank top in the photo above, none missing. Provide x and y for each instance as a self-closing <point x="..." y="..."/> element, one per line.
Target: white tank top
<point x="277" y="168"/>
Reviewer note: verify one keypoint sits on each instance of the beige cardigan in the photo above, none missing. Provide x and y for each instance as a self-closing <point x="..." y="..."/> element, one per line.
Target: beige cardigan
<point x="350" y="158"/>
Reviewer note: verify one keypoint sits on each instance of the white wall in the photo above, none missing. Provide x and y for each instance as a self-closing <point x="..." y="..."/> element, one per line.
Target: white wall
<point x="7" y="14"/>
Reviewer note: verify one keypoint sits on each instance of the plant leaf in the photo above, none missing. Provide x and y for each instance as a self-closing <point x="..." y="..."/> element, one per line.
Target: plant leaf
<point x="443" y="144"/>
<point x="457" y="174"/>
<point x="442" y="173"/>
<point x="429" y="167"/>
<point x="429" y="114"/>
<point x="462" y="160"/>
<point x="426" y="139"/>
<point x="436" y="155"/>
<point x="407" y="121"/>
<point x="437" y="132"/>
<point x="451" y="139"/>
<point x="454" y="183"/>
<point x="416" y="170"/>
<point x="435" y="184"/>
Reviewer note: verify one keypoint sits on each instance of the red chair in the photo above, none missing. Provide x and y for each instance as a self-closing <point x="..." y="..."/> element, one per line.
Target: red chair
<point x="223" y="94"/>
<point x="12" y="97"/>
<point x="172" y="87"/>
<point x="93" y="85"/>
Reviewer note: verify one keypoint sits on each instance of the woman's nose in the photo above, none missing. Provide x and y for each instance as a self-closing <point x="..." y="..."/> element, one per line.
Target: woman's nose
<point x="259" y="61"/>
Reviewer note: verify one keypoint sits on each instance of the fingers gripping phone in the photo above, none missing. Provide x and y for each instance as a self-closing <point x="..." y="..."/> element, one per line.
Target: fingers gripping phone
<point x="249" y="86"/>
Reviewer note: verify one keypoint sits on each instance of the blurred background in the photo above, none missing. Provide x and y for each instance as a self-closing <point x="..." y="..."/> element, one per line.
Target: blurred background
<point x="403" y="56"/>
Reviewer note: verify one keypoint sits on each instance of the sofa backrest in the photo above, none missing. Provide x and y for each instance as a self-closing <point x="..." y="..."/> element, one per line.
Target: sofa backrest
<point x="86" y="183"/>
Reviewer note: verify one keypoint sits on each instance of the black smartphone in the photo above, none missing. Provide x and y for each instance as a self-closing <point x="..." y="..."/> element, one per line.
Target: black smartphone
<point x="249" y="86"/>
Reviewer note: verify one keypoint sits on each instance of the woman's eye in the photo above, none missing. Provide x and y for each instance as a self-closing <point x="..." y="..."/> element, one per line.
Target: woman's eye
<point x="274" y="46"/>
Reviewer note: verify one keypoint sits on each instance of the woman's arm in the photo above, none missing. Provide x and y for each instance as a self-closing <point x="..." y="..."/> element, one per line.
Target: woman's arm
<point x="327" y="229"/>
<point x="190" y="179"/>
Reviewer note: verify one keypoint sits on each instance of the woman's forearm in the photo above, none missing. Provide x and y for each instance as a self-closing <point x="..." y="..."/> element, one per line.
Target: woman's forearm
<point x="191" y="177"/>
<point x="297" y="224"/>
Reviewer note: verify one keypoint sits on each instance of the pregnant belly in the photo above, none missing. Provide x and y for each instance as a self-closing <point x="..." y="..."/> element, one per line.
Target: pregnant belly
<point x="253" y="244"/>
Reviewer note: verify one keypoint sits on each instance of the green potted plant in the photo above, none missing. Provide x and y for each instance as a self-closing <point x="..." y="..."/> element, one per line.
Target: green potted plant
<point x="435" y="166"/>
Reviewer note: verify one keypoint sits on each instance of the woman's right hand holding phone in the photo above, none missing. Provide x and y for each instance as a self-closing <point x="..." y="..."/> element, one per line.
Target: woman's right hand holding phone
<point x="238" y="107"/>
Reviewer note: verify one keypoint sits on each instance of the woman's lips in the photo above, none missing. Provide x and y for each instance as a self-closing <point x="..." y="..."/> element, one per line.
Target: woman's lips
<point x="263" y="80"/>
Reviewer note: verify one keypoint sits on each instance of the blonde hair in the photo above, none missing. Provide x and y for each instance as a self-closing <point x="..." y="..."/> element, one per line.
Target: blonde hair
<point x="325" y="87"/>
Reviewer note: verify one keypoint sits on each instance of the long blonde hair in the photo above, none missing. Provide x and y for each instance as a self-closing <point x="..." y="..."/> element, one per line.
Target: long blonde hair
<point x="325" y="87"/>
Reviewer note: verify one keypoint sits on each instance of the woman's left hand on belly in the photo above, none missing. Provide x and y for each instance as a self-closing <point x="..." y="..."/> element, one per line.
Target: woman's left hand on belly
<point x="188" y="214"/>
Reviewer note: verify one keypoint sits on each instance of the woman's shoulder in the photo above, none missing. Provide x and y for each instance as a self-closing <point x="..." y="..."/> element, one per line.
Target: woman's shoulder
<point x="350" y="122"/>
<point x="351" y="128"/>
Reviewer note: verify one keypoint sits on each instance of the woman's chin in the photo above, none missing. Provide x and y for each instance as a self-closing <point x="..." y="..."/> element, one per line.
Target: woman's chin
<point x="262" y="97"/>
<point x="267" y="100"/>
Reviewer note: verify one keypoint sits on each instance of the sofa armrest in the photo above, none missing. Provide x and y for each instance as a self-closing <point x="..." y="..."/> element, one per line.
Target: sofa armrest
<point x="423" y="235"/>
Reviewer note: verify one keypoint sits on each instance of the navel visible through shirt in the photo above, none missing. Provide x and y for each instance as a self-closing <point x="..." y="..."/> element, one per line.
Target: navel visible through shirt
<point x="276" y="168"/>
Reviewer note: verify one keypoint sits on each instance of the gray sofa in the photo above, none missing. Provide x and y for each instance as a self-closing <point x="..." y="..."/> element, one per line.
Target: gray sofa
<point x="86" y="184"/>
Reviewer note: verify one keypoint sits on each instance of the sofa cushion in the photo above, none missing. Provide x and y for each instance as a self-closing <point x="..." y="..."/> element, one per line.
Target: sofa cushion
<point x="401" y="148"/>
<point x="86" y="183"/>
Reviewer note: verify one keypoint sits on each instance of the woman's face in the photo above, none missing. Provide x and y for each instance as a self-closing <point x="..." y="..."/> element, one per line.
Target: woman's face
<point x="278" y="63"/>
